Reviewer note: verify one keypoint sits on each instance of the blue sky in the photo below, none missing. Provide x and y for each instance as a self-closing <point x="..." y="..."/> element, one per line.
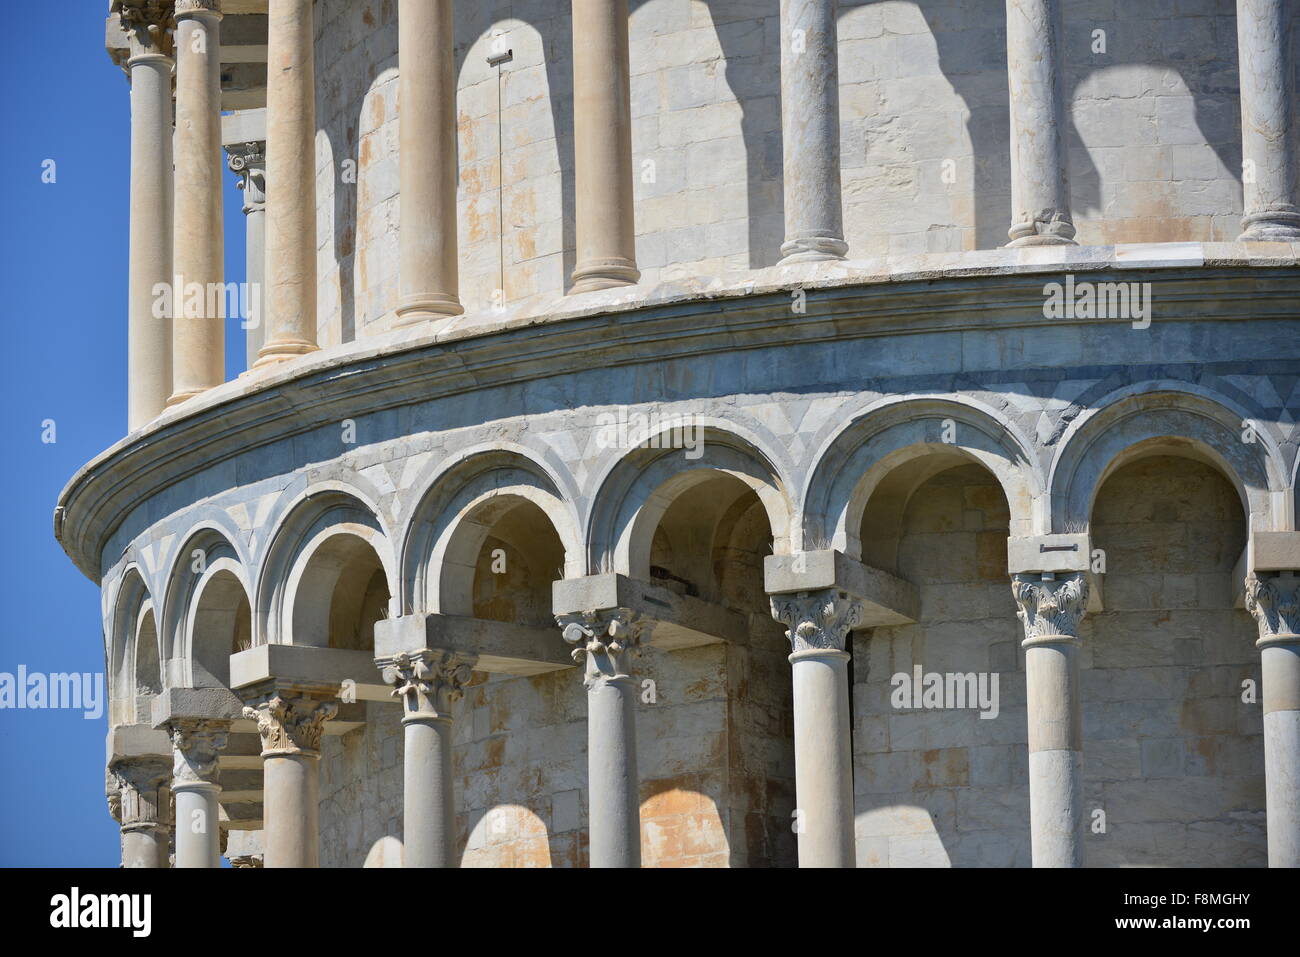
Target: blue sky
<point x="63" y="259"/>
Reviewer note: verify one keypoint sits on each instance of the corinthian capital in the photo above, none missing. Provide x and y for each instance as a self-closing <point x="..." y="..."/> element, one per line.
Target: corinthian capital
<point x="147" y="25"/>
<point x="429" y="682"/>
<point x="291" y="724"/>
<point x="818" y="620"/>
<point x="1050" y="607"/>
<point x="196" y="746"/>
<point x="601" y="638"/>
<point x="1275" y="602"/>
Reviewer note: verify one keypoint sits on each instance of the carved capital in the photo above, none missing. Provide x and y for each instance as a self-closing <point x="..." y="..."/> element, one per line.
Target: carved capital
<point x="142" y="791"/>
<point x="1274" y="600"/>
<point x="147" y="25"/>
<point x="248" y="162"/>
<point x="291" y="724"/>
<point x="600" y="638"/>
<point x="196" y="746"/>
<point x="819" y="620"/>
<point x="245" y="861"/>
<point x="428" y="682"/>
<point x="1050" y="607"/>
<point x="194" y="7"/>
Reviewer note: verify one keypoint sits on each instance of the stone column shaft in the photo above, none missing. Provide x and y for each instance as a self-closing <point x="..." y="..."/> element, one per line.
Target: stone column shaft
<point x="810" y="132"/>
<point x="198" y="313"/>
<point x="1050" y="608"/>
<point x="428" y="683"/>
<point x="248" y="161"/>
<point x="602" y="147"/>
<point x="819" y="624"/>
<point x="614" y="804"/>
<point x="1270" y="170"/>
<point x="1040" y="190"/>
<point x="290" y="726"/>
<point x="291" y="182"/>
<point x="149" y="335"/>
<point x="1274" y="600"/>
<point x="427" y="128"/>
<point x="196" y="748"/>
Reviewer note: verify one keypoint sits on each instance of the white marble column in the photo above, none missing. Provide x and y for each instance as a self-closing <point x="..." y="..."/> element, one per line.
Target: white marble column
<point x="819" y="624"/>
<point x="602" y="639"/>
<point x="427" y="129"/>
<point x="149" y="335"/>
<point x="429" y="683"/>
<point x="1270" y="171"/>
<point x="198" y="315"/>
<point x="248" y="162"/>
<point x="1274" y="600"/>
<point x="1050" y="607"/>
<point x="196" y="748"/>
<point x="810" y="132"/>
<point x="142" y="802"/>
<point x="602" y="147"/>
<point x="1040" y="187"/>
<point x="291" y="183"/>
<point x="290" y="725"/>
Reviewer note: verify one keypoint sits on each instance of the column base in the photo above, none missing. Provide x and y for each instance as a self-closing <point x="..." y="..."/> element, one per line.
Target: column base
<point x="178" y="397"/>
<point x="811" y="249"/>
<point x="1271" y="226"/>
<point x="1049" y="229"/>
<point x="594" y="274"/>
<point x="282" y="350"/>
<point x="414" y="310"/>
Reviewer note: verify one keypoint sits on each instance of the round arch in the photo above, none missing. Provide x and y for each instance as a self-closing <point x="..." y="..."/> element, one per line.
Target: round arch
<point x="454" y="516"/>
<point x="194" y="641"/>
<point x="865" y="473"/>
<point x="1156" y="419"/>
<point x="645" y="482"/>
<point x="300" y="551"/>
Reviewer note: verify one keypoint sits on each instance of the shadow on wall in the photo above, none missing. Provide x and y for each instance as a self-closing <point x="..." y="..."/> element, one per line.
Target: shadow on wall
<point x="1130" y="114"/>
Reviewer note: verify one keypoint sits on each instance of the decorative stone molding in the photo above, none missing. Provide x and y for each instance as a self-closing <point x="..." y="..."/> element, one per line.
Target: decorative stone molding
<point x="291" y="724"/>
<point x="147" y="25"/>
<point x="428" y="682"/>
<point x="1274" y="601"/>
<point x="245" y="861"/>
<point x="601" y="638"/>
<point x="194" y="7"/>
<point x="817" y="621"/>
<point x="196" y="746"/>
<point x="248" y="162"/>
<point x="113" y="795"/>
<point x="1050" y="608"/>
<point x="142" y="791"/>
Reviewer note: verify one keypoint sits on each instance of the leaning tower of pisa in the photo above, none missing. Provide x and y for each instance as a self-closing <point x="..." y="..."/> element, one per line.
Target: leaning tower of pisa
<point x="705" y="433"/>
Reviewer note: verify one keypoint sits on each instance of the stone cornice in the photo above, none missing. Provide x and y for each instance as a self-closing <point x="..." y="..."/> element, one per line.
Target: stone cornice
<point x="986" y="291"/>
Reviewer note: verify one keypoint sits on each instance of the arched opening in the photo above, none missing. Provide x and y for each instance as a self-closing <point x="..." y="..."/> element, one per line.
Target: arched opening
<point x="514" y="555"/>
<point x="148" y="677"/>
<point x="939" y="784"/>
<point x="1173" y="755"/>
<point x="220" y="626"/>
<point x="703" y="534"/>
<point x="342" y="590"/>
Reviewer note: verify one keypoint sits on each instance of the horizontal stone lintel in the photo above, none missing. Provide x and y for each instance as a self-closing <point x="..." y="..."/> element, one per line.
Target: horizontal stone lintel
<point x="499" y="647"/>
<point x="127" y="742"/>
<point x="887" y="599"/>
<point x="1274" y="551"/>
<point x="673" y="621"/>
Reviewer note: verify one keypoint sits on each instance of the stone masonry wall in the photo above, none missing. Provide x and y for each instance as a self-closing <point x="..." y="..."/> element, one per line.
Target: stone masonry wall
<point x="1153" y="138"/>
<point x="1172" y="754"/>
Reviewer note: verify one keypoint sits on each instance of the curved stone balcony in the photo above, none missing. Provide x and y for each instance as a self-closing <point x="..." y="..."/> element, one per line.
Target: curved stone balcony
<point x="452" y="488"/>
